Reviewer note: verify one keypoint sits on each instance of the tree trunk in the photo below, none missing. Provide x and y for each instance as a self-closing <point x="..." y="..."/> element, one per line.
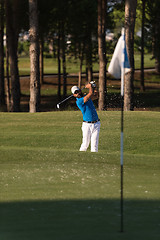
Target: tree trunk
<point x="41" y="62"/>
<point x="157" y="65"/>
<point x="152" y="9"/>
<point x="102" y="53"/>
<point x="34" y="58"/>
<point x="12" y="32"/>
<point x="80" y="73"/>
<point x="8" y="95"/>
<point x="64" y="74"/>
<point x="157" y="43"/>
<point x="81" y="57"/>
<point x="142" y="88"/>
<point x="130" y="15"/>
<point x="64" y="59"/>
<point x="59" y="64"/>
<point x="89" y="72"/>
<point x="2" y="90"/>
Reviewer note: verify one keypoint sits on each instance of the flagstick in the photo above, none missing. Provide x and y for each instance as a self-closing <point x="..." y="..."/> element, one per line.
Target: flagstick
<point x="122" y="120"/>
<point x="122" y="104"/>
<point x="118" y="66"/>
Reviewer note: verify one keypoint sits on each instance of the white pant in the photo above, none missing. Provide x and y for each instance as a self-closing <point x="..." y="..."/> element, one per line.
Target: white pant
<point x="90" y="134"/>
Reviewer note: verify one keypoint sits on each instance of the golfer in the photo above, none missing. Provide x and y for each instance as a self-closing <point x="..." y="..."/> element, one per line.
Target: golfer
<point x="91" y="122"/>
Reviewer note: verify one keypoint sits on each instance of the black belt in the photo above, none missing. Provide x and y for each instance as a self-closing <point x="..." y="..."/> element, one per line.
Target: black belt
<point x="92" y="121"/>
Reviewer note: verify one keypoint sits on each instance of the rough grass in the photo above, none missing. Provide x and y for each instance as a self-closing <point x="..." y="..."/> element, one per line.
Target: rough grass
<point x="50" y="190"/>
<point x="51" y="64"/>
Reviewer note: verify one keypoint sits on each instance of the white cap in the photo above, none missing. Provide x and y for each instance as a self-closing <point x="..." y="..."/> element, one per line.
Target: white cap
<point x="74" y="88"/>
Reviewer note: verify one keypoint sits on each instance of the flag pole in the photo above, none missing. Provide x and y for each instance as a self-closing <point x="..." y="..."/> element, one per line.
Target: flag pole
<point x="122" y="120"/>
<point x="118" y="67"/>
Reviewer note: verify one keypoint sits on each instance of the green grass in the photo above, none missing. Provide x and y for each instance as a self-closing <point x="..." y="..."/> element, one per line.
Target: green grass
<point x="50" y="190"/>
<point x="148" y="61"/>
<point x="50" y="65"/>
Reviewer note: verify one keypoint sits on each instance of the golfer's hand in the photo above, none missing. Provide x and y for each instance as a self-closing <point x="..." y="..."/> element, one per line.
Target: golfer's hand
<point x="87" y="97"/>
<point x="88" y="85"/>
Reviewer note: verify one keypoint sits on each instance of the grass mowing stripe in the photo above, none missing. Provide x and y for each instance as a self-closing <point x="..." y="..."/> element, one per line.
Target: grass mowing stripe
<point x="50" y="190"/>
<point x="66" y="150"/>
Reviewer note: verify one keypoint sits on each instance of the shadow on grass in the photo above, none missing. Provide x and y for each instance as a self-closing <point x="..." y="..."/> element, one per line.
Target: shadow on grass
<point x="79" y="220"/>
<point x="148" y="100"/>
<point x="145" y="100"/>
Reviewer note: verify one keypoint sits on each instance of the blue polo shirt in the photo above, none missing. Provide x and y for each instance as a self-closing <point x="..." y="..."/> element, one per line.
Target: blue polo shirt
<point x="88" y="110"/>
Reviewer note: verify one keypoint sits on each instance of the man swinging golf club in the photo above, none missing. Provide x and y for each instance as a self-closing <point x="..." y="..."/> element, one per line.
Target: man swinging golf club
<point x="91" y="122"/>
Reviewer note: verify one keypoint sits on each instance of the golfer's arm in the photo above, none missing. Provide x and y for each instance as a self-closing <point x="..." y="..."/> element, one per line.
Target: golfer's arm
<point x="88" y="96"/>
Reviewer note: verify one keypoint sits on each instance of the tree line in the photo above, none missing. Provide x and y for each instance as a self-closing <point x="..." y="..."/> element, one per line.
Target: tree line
<point x="81" y="23"/>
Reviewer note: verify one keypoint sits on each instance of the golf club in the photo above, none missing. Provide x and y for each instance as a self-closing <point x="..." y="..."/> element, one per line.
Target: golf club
<point x="64" y="100"/>
<point x="93" y="85"/>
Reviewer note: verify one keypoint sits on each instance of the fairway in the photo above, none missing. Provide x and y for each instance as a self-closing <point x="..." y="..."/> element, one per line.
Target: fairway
<point x="50" y="190"/>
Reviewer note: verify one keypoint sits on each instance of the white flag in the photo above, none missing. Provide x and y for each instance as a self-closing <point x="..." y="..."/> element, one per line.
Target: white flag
<point x="119" y="59"/>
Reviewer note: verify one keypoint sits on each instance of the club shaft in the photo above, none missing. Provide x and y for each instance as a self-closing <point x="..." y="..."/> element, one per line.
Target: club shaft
<point x="65" y="99"/>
